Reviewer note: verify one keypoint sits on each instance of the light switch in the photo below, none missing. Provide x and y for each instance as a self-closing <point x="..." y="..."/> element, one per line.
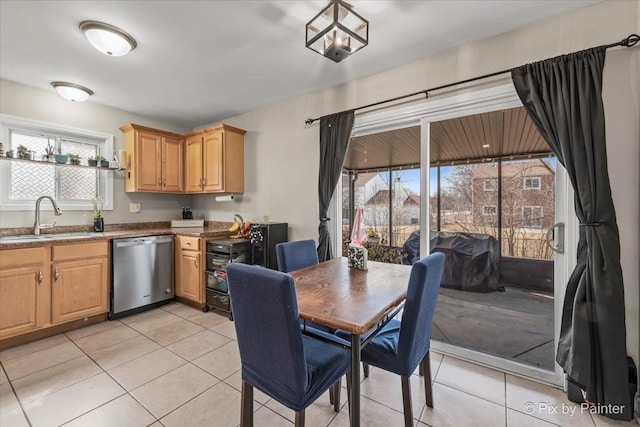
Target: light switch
<point x="134" y="207"/>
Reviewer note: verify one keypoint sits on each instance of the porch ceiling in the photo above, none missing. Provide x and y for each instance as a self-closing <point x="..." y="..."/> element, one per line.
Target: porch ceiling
<point x="507" y="132"/>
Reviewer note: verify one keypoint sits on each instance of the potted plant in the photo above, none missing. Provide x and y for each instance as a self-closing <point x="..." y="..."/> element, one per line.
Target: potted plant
<point x="98" y="221"/>
<point x="373" y="238"/>
<point x="91" y="161"/>
<point x="49" y="153"/>
<point x="104" y="163"/>
<point x="74" y="159"/>
<point x="1" y="149"/>
<point x="24" y="152"/>
<point x="61" y="158"/>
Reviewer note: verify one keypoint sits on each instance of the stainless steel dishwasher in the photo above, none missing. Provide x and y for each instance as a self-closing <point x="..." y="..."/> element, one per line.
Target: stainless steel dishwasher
<point x="141" y="272"/>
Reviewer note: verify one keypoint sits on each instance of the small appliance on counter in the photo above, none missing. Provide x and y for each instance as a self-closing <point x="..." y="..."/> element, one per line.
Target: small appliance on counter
<point x="264" y="238"/>
<point x="219" y="254"/>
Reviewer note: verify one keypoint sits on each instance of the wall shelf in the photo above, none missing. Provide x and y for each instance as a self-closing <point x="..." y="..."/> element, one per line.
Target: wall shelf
<point x="43" y="162"/>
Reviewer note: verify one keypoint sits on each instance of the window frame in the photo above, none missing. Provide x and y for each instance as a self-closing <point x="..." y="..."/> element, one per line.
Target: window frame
<point x="484" y="209"/>
<point x="524" y="183"/>
<point x="490" y="188"/>
<point x="104" y="141"/>
<point x="526" y="223"/>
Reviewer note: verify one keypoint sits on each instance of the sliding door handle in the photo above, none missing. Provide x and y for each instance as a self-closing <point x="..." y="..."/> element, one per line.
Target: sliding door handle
<point x="556" y="233"/>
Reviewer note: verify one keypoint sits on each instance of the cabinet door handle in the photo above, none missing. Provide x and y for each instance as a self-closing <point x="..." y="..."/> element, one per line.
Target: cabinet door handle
<point x="195" y="263"/>
<point x="164" y="182"/>
<point x="160" y="182"/>
<point x="200" y="182"/>
<point x="56" y="274"/>
<point x="40" y="276"/>
<point x="204" y="182"/>
<point x="188" y="243"/>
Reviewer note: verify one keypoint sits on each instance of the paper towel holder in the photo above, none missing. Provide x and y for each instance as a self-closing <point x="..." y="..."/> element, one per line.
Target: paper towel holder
<point x="227" y="198"/>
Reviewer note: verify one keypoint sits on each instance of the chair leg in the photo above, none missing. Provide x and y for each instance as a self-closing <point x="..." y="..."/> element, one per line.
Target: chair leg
<point x="246" y="414"/>
<point x="421" y="370"/>
<point x="349" y="390"/>
<point x="331" y="390"/>
<point x="336" y="396"/>
<point x="406" y="401"/>
<point x="425" y="366"/>
<point x="366" y="369"/>
<point x="299" y="419"/>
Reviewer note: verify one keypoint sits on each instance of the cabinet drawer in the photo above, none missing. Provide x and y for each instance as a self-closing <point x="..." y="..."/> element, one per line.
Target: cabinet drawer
<point x="217" y="279"/>
<point x="20" y="257"/>
<point x="218" y="300"/>
<point x="189" y="243"/>
<point x="80" y="250"/>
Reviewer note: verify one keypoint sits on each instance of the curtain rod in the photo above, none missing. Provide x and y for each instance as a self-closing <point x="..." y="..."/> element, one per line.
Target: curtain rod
<point x="629" y="41"/>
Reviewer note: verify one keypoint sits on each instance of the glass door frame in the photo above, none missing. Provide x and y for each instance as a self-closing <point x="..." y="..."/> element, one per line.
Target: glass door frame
<point x="423" y="112"/>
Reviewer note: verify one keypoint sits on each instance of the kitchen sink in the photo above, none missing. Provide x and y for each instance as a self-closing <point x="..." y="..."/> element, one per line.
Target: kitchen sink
<point x="44" y="237"/>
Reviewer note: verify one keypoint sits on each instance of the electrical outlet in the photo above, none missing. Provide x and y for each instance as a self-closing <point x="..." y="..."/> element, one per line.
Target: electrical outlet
<point x="134" y="207"/>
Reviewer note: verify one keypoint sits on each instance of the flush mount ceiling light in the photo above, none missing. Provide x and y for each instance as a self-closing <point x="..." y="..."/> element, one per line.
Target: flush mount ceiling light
<point x="337" y="31"/>
<point x="72" y="91"/>
<point x="108" y="39"/>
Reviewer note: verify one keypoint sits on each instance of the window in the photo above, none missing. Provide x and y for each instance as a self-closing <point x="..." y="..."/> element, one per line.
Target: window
<point x="72" y="187"/>
<point x="490" y="185"/>
<point x="532" y="216"/>
<point x="532" y="183"/>
<point x="489" y="210"/>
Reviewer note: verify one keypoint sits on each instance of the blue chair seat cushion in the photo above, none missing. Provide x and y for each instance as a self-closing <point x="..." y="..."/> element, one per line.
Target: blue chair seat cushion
<point x="325" y="363"/>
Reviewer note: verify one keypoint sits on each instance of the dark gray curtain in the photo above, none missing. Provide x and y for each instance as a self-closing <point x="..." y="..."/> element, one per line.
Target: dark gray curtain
<point x="335" y="132"/>
<point x="563" y="97"/>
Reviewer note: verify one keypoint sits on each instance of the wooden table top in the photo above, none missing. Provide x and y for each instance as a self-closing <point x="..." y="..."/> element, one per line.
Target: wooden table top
<point x="334" y="295"/>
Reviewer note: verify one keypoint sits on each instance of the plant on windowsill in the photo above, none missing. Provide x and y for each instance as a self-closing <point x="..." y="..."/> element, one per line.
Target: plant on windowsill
<point x="49" y="153"/>
<point x="61" y="158"/>
<point x="24" y="153"/>
<point x="91" y="161"/>
<point x="104" y="163"/>
<point x="98" y="221"/>
<point x="74" y="159"/>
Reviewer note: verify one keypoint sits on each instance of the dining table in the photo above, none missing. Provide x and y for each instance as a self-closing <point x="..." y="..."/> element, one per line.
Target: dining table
<point x="356" y="301"/>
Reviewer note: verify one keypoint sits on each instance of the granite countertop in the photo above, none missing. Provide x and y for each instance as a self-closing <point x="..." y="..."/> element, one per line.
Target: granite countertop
<point x="210" y="231"/>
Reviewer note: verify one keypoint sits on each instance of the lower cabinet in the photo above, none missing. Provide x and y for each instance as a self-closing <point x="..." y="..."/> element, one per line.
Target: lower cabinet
<point x="50" y="285"/>
<point x="189" y="280"/>
<point x="23" y="293"/>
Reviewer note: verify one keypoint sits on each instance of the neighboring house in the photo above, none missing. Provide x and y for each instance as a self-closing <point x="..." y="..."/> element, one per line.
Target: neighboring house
<point x="406" y="207"/>
<point x="528" y="195"/>
<point x="366" y="186"/>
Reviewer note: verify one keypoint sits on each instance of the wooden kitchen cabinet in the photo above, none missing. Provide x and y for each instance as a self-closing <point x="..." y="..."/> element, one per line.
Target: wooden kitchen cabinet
<point x="155" y="160"/>
<point x="24" y="291"/>
<point x="189" y="271"/>
<point x="80" y="286"/>
<point x="214" y="160"/>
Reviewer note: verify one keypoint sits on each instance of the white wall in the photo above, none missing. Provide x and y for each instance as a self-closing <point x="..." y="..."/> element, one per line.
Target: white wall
<point x="281" y="152"/>
<point x="47" y="106"/>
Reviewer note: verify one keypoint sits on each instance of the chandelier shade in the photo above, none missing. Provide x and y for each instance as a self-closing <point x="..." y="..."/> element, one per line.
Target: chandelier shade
<point x="337" y="31"/>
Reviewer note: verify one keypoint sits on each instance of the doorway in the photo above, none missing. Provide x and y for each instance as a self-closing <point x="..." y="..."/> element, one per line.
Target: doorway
<point x="516" y="223"/>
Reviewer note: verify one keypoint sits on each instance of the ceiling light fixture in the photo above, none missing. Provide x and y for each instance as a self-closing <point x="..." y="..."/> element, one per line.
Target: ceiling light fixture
<point x="108" y="39"/>
<point x="72" y="91"/>
<point x="337" y="31"/>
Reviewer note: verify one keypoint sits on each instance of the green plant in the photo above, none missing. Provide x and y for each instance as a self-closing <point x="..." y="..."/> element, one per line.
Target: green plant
<point x="100" y="158"/>
<point x="22" y="149"/>
<point x="74" y="159"/>
<point x="50" y="150"/>
<point x="98" y="205"/>
<point x="372" y="232"/>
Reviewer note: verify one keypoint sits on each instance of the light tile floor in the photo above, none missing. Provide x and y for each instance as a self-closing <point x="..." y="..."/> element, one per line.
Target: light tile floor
<point x="177" y="366"/>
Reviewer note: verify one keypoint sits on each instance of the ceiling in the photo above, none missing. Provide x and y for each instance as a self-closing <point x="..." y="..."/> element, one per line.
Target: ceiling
<point x="198" y="62"/>
<point x="508" y="134"/>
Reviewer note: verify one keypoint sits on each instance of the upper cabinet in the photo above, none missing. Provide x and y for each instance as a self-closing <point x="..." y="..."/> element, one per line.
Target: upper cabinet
<point x="154" y="161"/>
<point x="209" y="160"/>
<point x="214" y="160"/>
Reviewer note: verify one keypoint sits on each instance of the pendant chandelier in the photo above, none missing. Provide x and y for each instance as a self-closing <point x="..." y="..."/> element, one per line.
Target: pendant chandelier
<point x="337" y="31"/>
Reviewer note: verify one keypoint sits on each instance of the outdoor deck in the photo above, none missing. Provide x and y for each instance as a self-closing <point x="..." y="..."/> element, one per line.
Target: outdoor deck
<point x="516" y="324"/>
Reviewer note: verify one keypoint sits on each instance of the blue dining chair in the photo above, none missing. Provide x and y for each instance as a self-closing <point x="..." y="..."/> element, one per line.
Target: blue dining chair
<point x="295" y="255"/>
<point x="401" y="345"/>
<point x="292" y="368"/>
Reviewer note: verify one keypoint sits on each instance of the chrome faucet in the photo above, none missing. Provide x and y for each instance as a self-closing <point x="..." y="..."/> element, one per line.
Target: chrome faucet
<point x="56" y="210"/>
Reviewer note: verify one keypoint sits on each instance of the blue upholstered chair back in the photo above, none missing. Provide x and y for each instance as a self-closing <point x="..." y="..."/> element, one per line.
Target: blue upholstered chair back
<point x="295" y="255"/>
<point x="265" y="312"/>
<point x="417" y="318"/>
